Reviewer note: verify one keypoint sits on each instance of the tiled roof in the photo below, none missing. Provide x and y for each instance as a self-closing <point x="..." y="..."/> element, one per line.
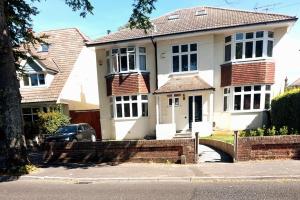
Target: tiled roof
<point x="296" y="83"/>
<point x="209" y="18"/>
<point x="184" y="84"/>
<point x="64" y="49"/>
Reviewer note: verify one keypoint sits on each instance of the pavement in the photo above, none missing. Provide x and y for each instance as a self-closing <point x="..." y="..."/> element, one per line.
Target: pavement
<point x="210" y="167"/>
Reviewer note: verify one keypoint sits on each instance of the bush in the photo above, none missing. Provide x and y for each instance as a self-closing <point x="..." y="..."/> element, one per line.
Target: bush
<point x="285" y="110"/>
<point x="49" y="122"/>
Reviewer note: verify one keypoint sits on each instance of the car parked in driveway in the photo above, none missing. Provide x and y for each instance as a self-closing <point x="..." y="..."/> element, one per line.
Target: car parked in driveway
<point x="73" y="133"/>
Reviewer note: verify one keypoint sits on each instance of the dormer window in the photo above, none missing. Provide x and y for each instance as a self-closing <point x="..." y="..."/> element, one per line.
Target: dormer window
<point x="34" y="79"/>
<point x="44" y="48"/>
<point x="200" y="12"/>
<point x="173" y="17"/>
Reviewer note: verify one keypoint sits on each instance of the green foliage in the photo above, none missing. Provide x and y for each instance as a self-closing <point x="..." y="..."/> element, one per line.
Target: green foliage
<point x="285" y="110"/>
<point x="271" y="131"/>
<point x="268" y="132"/>
<point x="51" y="121"/>
<point x="283" y="130"/>
<point x="260" y="131"/>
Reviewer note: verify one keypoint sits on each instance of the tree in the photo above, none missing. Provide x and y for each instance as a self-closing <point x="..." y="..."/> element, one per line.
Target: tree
<point x="16" y="30"/>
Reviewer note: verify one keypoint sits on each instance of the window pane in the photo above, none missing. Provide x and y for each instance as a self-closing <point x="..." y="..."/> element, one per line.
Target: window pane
<point x="176" y="101"/>
<point x="142" y="50"/>
<point x="175" y="49"/>
<point x="249" y="35"/>
<point x="119" y="110"/>
<point x="267" y="101"/>
<point x="35" y="117"/>
<point x="175" y="63"/>
<point x="34" y="79"/>
<point x="237" y="89"/>
<point x="118" y="98"/>
<point x="239" y="36"/>
<point x="249" y="49"/>
<point x="227" y="39"/>
<point x="247" y="101"/>
<point x="144" y="97"/>
<point x="126" y="110"/>
<point x="193" y="61"/>
<point x="35" y="110"/>
<point x="239" y="50"/>
<point x="131" y="49"/>
<point x="268" y="87"/>
<point x="170" y="102"/>
<point x="27" y="118"/>
<point x="270" y="34"/>
<point x="257" y="88"/>
<point x="142" y="62"/>
<point x="126" y="98"/>
<point x="259" y="34"/>
<point x="259" y="48"/>
<point x="228" y="52"/>
<point x="131" y="61"/>
<point x="115" y="63"/>
<point x="256" y="102"/>
<point x="237" y="102"/>
<point x="42" y="79"/>
<point x="184" y="48"/>
<point x="26" y="80"/>
<point x="124" y="63"/>
<point x="270" y="48"/>
<point x="247" y="88"/>
<point x="184" y="63"/>
<point x="115" y="51"/>
<point x="134" y="109"/>
<point x="144" y="109"/>
<point x="26" y="110"/>
<point x="134" y="97"/>
<point x="123" y="50"/>
<point x="225" y="103"/>
<point x="193" y="47"/>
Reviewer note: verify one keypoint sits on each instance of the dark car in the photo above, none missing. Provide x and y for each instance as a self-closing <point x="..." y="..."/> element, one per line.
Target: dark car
<point x="73" y="133"/>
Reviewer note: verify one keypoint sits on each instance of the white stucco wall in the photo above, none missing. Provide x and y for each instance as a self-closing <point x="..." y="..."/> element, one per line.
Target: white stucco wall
<point x="80" y="91"/>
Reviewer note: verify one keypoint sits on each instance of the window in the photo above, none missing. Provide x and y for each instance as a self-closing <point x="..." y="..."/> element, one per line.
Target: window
<point x="176" y="101"/>
<point x="250" y="97"/>
<point x="184" y="58"/>
<point x="126" y="59"/>
<point x="130" y="106"/>
<point x="36" y="79"/>
<point x="226" y="98"/>
<point x="250" y="45"/>
<point x="43" y="48"/>
<point x="30" y="114"/>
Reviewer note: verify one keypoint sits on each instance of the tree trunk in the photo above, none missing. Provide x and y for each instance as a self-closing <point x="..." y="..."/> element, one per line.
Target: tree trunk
<point x="12" y="141"/>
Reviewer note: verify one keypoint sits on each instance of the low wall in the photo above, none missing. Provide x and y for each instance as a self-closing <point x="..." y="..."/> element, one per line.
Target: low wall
<point x="223" y="146"/>
<point x="268" y="147"/>
<point x="122" y="151"/>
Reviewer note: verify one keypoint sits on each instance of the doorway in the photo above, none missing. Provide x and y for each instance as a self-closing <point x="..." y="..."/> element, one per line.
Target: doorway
<point x="195" y="109"/>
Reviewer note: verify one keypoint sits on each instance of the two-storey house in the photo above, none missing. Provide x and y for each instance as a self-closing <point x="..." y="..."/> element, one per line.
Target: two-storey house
<point x="198" y="69"/>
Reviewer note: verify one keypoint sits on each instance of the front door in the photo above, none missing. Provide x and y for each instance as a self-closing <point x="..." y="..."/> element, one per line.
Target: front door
<point x="195" y="109"/>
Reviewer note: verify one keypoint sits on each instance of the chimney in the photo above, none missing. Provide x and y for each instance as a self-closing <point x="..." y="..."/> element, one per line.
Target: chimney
<point x="108" y="32"/>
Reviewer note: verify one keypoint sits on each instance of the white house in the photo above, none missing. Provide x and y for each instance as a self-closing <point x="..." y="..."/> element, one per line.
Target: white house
<point x="198" y="69"/>
<point x="63" y="72"/>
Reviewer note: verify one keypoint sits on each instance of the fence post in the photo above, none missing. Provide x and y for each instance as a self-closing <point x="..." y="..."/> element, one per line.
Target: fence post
<point x="196" y="146"/>
<point x="235" y="159"/>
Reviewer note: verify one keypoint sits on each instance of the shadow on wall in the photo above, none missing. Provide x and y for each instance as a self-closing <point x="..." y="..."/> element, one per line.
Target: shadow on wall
<point x="260" y="120"/>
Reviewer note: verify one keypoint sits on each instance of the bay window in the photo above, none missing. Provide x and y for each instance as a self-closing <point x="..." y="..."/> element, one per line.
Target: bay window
<point x="249" y="45"/>
<point x="126" y="59"/>
<point x="34" y="79"/>
<point x="184" y="57"/>
<point x="129" y="106"/>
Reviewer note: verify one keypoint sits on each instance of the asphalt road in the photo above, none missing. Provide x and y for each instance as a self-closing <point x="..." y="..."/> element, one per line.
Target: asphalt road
<point x="257" y="190"/>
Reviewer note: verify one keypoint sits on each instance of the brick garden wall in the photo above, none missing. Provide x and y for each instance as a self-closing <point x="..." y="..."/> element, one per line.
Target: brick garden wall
<point x="268" y="147"/>
<point x="122" y="151"/>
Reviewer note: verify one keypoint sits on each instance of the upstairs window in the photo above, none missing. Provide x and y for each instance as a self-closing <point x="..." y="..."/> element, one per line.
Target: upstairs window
<point x="184" y="58"/>
<point x="43" y="48"/>
<point x="33" y="80"/>
<point x="126" y="59"/>
<point x="249" y="45"/>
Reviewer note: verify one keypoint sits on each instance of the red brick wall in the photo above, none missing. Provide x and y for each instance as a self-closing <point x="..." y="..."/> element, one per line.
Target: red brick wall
<point x="124" y="84"/>
<point x="268" y="147"/>
<point x="122" y="151"/>
<point x="247" y="73"/>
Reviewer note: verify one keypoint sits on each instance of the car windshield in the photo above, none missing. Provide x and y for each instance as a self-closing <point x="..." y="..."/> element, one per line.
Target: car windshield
<point x="67" y="129"/>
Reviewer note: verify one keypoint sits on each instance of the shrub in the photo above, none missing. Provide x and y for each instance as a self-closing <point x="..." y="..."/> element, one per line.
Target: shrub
<point x="260" y="131"/>
<point x="49" y="122"/>
<point x="285" y="110"/>
<point x="270" y="131"/>
<point x="283" y="130"/>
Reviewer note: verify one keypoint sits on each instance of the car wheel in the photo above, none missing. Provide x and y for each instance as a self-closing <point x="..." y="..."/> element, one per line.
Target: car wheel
<point x="93" y="138"/>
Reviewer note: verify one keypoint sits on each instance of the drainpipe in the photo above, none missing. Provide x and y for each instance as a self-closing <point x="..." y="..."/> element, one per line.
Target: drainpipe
<point x="155" y="54"/>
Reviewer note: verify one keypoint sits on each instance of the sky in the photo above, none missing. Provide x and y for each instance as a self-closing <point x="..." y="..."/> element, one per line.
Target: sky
<point x="111" y="14"/>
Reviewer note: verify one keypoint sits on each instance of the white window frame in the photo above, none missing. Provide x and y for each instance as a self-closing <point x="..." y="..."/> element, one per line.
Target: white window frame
<point x="234" y="41"/>
<point x="176" y="101"/>
<point x="29" y="80"/>
<point x="188" y="53"/>
<point x="226" y="93"/>
<point x="139" y="102"/>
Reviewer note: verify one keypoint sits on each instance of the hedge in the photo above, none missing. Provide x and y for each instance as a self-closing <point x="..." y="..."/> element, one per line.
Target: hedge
<point x="285" y="110"/>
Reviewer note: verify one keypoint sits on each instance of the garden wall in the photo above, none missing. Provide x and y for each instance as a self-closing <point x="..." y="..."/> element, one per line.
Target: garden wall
<point x="122" y="151"/>
<point x="268" y="147"/>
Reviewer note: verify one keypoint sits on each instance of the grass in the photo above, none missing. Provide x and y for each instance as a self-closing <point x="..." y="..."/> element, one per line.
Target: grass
<point x="228" y="138"/>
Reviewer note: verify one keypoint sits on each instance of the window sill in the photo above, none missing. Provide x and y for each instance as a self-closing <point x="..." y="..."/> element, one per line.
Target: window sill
<point x="245" y="111"/>
<point x="129" y="72"/>
<point x="129" y="118"/>
<point x="183" y="73"/>
<point x="34" y="87"/>
<point x="248" y="60"/>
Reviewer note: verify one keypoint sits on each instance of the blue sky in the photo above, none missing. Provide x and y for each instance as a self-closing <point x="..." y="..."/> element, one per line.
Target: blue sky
<point x="110" y="15"/>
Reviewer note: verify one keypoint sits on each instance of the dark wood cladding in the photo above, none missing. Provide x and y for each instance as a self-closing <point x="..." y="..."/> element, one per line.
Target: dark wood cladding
<point x="247" y="73"/>
<point x="129" y="83"/>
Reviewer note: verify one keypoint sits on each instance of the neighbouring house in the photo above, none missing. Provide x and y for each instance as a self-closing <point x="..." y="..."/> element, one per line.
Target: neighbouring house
<point x="198" y="69"/>
<point x="60" y="72"/>
<point x="295" y="84"/>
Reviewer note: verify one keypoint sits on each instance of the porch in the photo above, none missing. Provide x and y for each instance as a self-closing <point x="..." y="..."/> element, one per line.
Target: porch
<point x="184" y="105"/>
